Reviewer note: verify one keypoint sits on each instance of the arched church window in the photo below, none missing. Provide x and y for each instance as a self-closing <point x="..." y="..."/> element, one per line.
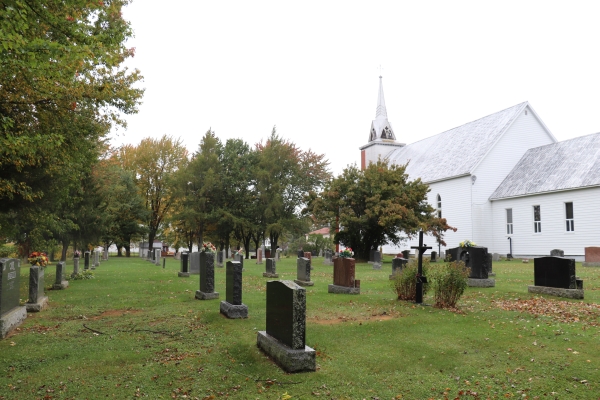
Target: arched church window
<point x="439" y="206"/>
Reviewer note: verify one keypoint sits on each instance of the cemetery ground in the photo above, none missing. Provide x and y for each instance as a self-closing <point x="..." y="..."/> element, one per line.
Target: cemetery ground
<point x="136" y="330"/>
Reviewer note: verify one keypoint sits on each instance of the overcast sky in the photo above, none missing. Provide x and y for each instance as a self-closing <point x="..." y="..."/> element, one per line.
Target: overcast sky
<point x="311" y="68"/>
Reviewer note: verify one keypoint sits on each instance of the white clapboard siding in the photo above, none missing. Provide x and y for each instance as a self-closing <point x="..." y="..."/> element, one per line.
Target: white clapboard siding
<point x="586" y="212"/>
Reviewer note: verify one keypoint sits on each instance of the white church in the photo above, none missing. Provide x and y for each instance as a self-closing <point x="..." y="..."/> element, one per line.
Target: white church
<point x="502" y="180"/>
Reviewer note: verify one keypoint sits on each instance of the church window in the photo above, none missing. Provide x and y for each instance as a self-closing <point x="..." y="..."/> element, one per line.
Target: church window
<point x="569" y="217"/>
<point x="439" y="206"/>
<point x="537" y="219"/>
<point x="509" y="221"/>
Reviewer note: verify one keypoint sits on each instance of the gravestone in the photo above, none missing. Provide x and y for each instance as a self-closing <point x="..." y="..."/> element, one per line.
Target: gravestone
<point x="476" y="258"/>
<point x="37" y="297"/>
<point x="300" y="253"/>
<point x="75" y="266"/>
<point x="376" y="259"/>
<point x="86" y="260"/>
<point x="398" y="265"/>
<point x="344" y="270"/>
<point x="11" y="313"/>
<point x="184" y="265"/>
<point x="96" y="258"/>
<point x="321" y="253"/>
<point x="495" y="257"/>
<point x="406" y="254"/>
<point x="434" y="256"/>
<point x="285" y="336"/>
<point x="308" y="254"/>
<point x="105" y="255"/>
<point x="328" y="258"/>
<point x="194" y="263"/>
<point x="592" y="257"/>
<point x="177" y="255"/>
<point x="303" y="275"/>
<point x="371" y="256"/>
<point x="490" y="260"/>
<point x="233" y="307"/>
<point x="239" y="258"/>
<point x="259" y="255"/>
<point x="60" y="282"/>
<point x="557" y="253"/>
<point x="157" y="256"/>
<point x="207" y="277"/>
<point x="220" y="258"/>
<point x="271" y="271"/>
<point x="277" y="255"/>
<point x="556" y="276"/>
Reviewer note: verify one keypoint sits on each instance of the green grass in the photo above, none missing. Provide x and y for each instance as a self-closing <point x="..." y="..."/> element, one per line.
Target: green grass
<point x="137" y="331"/>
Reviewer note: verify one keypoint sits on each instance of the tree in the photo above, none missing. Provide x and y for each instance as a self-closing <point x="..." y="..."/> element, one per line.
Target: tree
<point x="375" y="206"/>
<point x="62" y="87"/>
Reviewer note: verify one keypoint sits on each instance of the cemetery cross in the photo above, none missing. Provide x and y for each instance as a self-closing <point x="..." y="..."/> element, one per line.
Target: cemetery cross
<point x="420" y="278"/>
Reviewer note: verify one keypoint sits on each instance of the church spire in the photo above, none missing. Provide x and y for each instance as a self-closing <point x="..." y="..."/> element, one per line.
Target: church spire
<point x="381" y="110"/>
<point x="381" y="127"/>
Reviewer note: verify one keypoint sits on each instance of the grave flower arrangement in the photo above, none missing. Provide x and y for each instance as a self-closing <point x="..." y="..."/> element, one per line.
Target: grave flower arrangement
<point x="208" y="247"/>
<point x="467" y="243"/>
<point x="37" y="258"/>
<point x="346" y="253"/>
<point x="76" y="254"/>
<point x="240" y="252"/>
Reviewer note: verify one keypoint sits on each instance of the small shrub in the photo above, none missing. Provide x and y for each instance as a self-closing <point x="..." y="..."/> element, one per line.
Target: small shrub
<point x="405" y="283"/>
<point x="449" y="282"/>
<point x="86" y="274"/>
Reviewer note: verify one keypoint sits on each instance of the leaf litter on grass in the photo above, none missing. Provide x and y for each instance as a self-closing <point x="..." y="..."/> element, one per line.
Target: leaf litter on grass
<point x="559" y="310"/>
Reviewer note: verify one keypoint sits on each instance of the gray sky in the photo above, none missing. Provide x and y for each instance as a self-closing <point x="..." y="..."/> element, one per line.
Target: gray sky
<point x="311" y="68"/>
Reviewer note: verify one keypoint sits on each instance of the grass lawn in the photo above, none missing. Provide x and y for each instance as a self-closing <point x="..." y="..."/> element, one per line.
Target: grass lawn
<point x="137" y="331"/>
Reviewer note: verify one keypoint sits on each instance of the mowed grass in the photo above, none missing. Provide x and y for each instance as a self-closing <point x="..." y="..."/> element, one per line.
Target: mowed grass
<point x="136" y="330"/>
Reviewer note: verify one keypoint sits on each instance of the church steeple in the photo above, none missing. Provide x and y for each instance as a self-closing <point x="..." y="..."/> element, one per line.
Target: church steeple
<point x="381" y="127"/>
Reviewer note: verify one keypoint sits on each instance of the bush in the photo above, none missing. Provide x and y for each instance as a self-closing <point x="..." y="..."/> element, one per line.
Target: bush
<point x="405" y="283"/>
<point x="86" y="274"/>
<point x="8" y="251"/>
<point x="449" y="282"/>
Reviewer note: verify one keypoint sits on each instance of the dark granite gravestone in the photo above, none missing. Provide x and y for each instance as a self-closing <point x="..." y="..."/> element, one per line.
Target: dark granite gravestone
<point x="220" y="258"/>
<point x="557" y="253"/>
<point x="86" y="258"/>
<point x="554" y="272"/>
<point x="376" y="259"/>
<point x="11" y="313"/>
<point x="474" y="257"/>
<point x="194" y="263"/>
<point x="184" y="265"/>
<point x="207" y="277"/>
<point x="233" y="307"/>
<point x="434" y="256"/>
<point x="344" y="270"/>
<point x="300" y="253"/>
<point x="406" y="254"/>
<point x="37" y="298"/>
<point x="490" y="259"/>
<point x="271" y="269"/>
<point x="371" y="256"/>
<point x="398" y="265"/>
<point x="284" y="338"/>
<point x="60" y="282"/>
<point x="303" y="272"/>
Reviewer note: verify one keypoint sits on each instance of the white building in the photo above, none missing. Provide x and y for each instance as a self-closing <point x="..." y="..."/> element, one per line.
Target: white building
<point x="501" y="172"/>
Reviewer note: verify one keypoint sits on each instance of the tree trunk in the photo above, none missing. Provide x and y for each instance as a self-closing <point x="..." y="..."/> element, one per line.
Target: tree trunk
<point x="65" y="247"/>
<point x="128" y="250"/>
<point x="247" y="241"/>
<point x="119" y="254"/>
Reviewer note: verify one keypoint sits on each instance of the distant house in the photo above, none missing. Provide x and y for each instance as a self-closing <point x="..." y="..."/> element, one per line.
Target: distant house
<point x="502" y="180"/>
<point x="322" y="231"/>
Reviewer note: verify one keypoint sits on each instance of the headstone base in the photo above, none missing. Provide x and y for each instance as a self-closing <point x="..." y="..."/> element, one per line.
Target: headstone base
<point x="61" y="286"/>
<point x="376" y="265"/>
<point x="472" y="282"/>
<point x="93" y="267"/>
<point x="206" y="296"/>
<point x="558" y="292"/>
<point x="183" y="274"/>
<point x="37" y="307"/>
<point x="591" y="264"/>
<point x="327" y="262"/>
<point x="492" y="274"/>
<point x="304" y="283"/>
<point x="270" y="275"/>
<point x="289" y="359"/>
<point x="343" y="289"/>
<point x="234" y="311"/>
<point x="12" y="320"/>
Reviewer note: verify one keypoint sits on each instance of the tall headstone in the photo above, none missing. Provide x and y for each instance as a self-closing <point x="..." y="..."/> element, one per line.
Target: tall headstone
<point x="259" y="255"/>
<point x="285" y="336"/>
<point x="592" y="257"/>
<point x="271" y="271"/>
<point x="476" y="258"/>
<point x="194" y="263"/>
<point x="328" y="258"/>
<point x="490" y="267"/>
<point x="184" y="265"/>
<point x="398" y="265"/>
<point x="557" y="253"/>
<point x="105" y="255"/>
<point x="556" y="276"/>
<point x="37" y="297"/>
<point x="344" y="270"/>
<point x="434" y="256"/>
<point x="96" y="258"/>
<point x="60" y="282"/>
<point x="371" y="256"/>
<point x="207" y="277"/>
<point x="233" y="307"/>
<point x="300" y="253"/>
<point x="376" y="259"/>
<point x="277" y="255"/>
<point x="86" y="258"/>
<point x="220" y="258"/>
<point x="75" y="266"/>
<point x="11" y="313"/>
<point x="157" y="256"/>
<point x="303" y="276"/>
<point x="239" y="258"/>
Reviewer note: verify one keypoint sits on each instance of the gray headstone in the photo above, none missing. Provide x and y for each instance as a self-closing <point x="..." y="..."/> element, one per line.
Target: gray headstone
<point x="271" y="266"/>
<point x="76" y="266"/>
<point x="9" y="286"/>
<point x="195" y="263"/>
<point x="233" y="272"/>
<point x="303" y="268"/>
<point x="220" y="258"/>
<point x="495" y="257"/>
<point x="434" y="256"/>
<point x="277" y="255"/>
<point x="157" y="257"/>
<point x="207" y="272"/>
<point x="286" y="313"/>
<point x="398" y="265"/>
<point x="376" y="259"/>
<point x="556" y="253"/>
<point x="239" y="258"/>
<point x="96" y="258"/>
<point x="86" y="262"/>
<point x="184" y="263"/>
<point x="60" y="271"/>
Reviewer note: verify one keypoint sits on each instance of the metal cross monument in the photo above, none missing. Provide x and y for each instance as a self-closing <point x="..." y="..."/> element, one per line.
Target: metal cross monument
<point x="420" y="278"/>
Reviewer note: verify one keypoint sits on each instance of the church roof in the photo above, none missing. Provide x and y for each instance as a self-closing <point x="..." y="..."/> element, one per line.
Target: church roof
<point x="570" y="164"/>
<point x="455" y="152"/>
